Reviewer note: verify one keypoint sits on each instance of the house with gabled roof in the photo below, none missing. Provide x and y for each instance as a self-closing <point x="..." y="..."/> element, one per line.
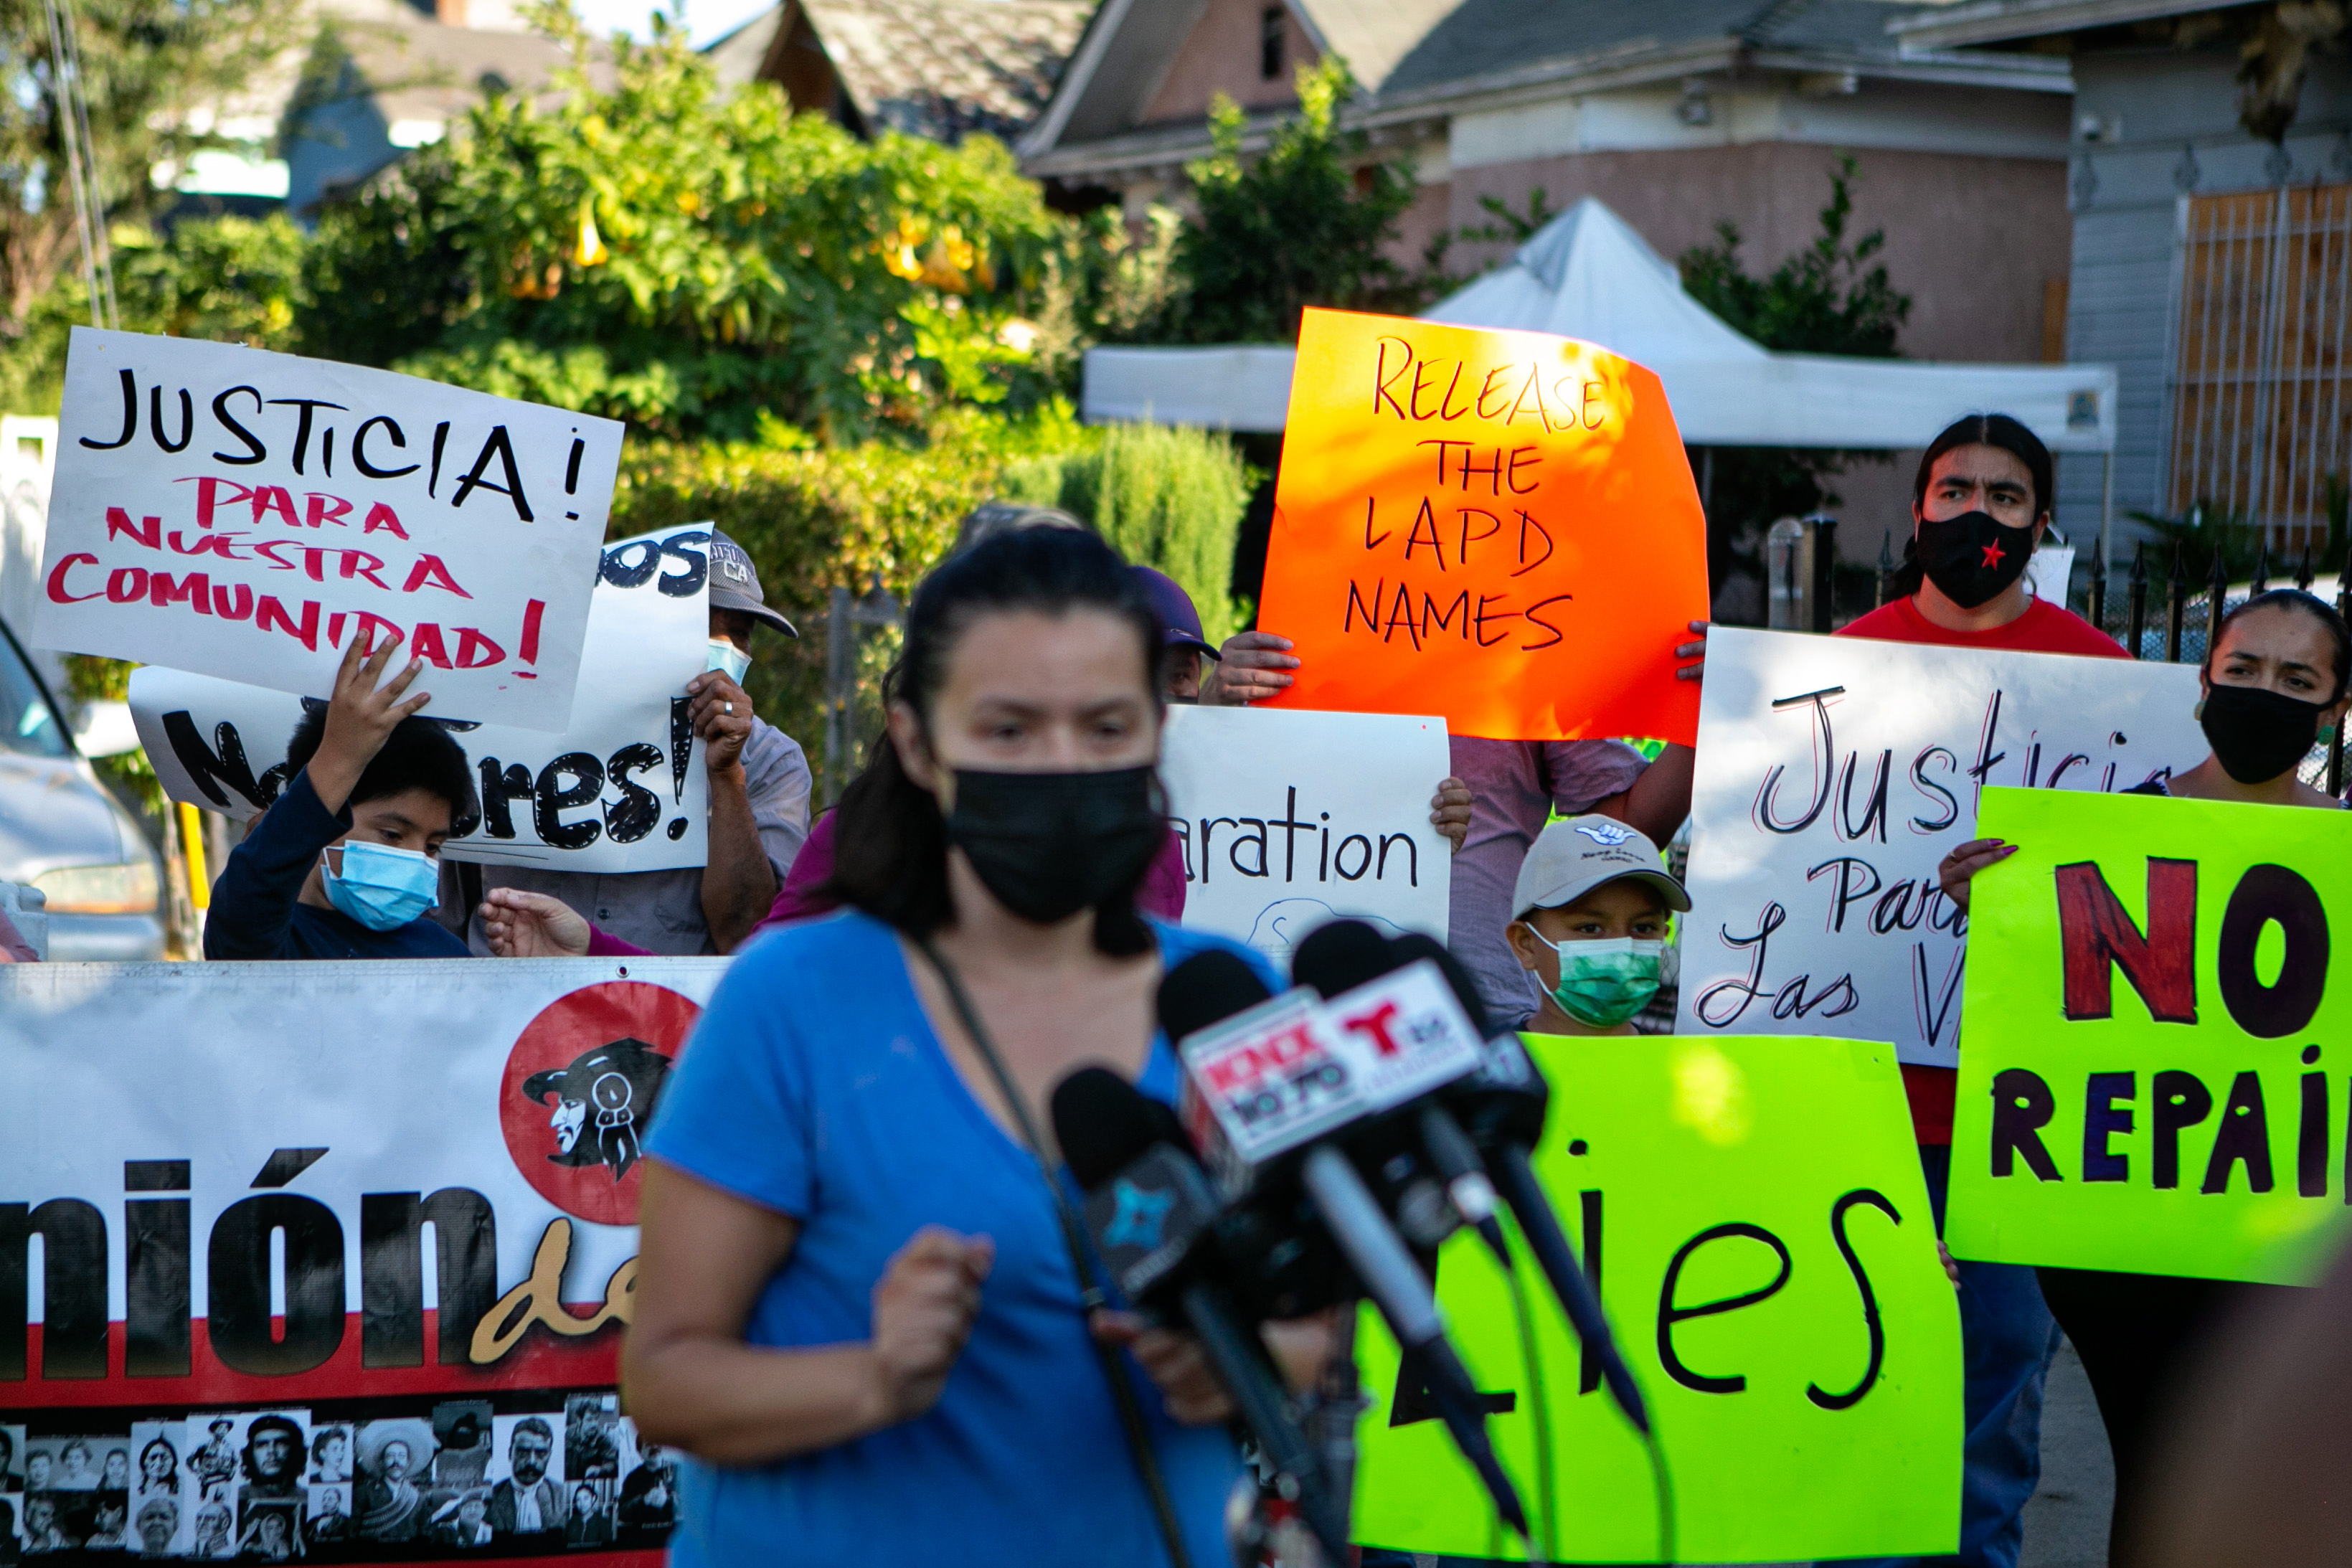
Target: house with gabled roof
<point x="1679" y="114"/>
<point x="936" y="68"/>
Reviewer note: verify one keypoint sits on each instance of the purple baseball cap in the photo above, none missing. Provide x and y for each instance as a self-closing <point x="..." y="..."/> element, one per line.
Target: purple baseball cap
<point x="1174" y="608"/>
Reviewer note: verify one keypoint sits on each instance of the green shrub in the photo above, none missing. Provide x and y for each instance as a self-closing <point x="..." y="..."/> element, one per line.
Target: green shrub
<point x="878" y="514"/>
<point x="1167" y="497"/>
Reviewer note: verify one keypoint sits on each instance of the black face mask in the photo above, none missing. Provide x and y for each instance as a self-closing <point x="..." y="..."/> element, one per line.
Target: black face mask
<point x="1971" y="558"/>
<point x="2256" y="733"/>
<point x="1050" y="844"/>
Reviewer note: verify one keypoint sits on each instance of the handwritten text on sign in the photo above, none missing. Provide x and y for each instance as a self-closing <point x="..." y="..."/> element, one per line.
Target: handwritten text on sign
<point x="619" y="790"/>
<point x="1834" y="773"/>
<point x="1497" y="527"/>
<point x="1752" y="1214"/>
<point x="1292" y="820"/>
<point x="241" y="513"/>
<point x="2156" y="1078"/>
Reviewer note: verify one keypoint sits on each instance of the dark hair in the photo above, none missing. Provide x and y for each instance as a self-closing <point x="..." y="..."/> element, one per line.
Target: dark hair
<point x="890" y="842"/>
<point x="1975" y="430"/>
<point x="274" y="1424"/>
<point x="533" y="1426"/>
<point x="2301" y="603"/>
<point x="420" y="754"/>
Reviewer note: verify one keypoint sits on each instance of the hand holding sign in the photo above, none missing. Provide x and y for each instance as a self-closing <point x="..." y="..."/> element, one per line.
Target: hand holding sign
<point x="1497" y="527"/>
<point x="242" y="514"/>
<point x="360" y="717"/>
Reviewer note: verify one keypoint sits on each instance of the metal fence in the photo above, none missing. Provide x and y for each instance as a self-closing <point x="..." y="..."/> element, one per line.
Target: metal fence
<point x="2261" y="422"/>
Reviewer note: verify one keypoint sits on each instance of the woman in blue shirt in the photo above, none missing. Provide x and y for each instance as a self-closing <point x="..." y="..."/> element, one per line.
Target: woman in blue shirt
<point x="855" y="1306"/>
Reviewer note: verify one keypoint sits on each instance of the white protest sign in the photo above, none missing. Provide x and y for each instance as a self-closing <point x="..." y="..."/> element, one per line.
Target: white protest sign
<point x="239" y="513"/>
<point x="622" y="788"/>
<point x="369" y="1198"/>
<point x="1293" y="818"/>
<point x="1833" y="774"/>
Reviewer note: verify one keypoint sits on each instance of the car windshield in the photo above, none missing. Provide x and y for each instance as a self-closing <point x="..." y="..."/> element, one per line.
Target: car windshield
<point x="28" y="724"/>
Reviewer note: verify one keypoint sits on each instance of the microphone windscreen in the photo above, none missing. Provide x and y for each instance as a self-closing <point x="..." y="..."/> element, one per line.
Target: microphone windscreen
<point x="1204" y="989"/>
<point x="1416" y="944"/>
<point x="1103" y="1123"/>
<point x="1340" y="956"/>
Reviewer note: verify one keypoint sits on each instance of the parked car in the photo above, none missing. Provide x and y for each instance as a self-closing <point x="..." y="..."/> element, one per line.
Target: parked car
<point x="63" y="833"/>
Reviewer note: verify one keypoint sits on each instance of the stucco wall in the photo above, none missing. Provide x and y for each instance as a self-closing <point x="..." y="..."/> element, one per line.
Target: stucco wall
<point x="1973" y="240"/>
<point x="1223" y="56"/>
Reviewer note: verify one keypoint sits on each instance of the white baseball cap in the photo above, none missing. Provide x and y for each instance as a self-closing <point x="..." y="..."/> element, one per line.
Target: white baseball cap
<point x="1572" y="857"/>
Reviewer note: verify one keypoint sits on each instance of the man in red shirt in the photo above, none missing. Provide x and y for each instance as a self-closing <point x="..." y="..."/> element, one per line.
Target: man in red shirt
<point x="1978" y="507"/>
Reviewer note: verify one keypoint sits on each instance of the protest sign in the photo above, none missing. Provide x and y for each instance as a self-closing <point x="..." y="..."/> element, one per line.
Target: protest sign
<point x="232" y="1246"/>
<point x="1834" y="773"/>
<point x="2159" y="1070"/>
<point x="1291" y="819"/>
<point x="1497" y="527"/>
<point x="239" y="513"/>
<point x="622" y="788"/>
<point x="1753" y="1213"/>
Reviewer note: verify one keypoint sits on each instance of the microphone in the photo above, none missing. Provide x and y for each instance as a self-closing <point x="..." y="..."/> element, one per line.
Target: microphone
<point x="1507" y="1102"/>
<point x="1336" y="959"/>
<point x="1277" y="1087"/>
<point x="1154" y="1218"/>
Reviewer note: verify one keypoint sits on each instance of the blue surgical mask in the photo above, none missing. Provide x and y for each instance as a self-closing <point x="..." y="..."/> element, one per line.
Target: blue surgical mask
<point x="726" y="657"/>
<point x="382" y="888"/>
<point x="1603" y="983"/>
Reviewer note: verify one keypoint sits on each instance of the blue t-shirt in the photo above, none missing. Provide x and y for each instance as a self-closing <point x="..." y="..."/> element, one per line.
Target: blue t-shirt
<point x="814" y="1086"/>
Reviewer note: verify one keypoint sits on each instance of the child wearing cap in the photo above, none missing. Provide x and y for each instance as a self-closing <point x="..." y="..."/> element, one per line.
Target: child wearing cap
<point x="1589" y="922"/>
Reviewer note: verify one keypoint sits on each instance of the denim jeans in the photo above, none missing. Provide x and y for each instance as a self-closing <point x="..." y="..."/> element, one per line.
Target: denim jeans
<point x="2007" y="1337"/>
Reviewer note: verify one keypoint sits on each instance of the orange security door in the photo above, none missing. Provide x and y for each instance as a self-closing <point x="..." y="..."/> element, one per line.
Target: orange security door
<point x="1499" y="527"/>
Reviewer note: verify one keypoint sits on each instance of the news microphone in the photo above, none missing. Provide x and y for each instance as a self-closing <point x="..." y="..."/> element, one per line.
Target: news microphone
<point x="1154" y="1218"/>
<point x="1505" y="1105"/>
<point x="1336" y="959"/>
<point x="1272" y="1088"/>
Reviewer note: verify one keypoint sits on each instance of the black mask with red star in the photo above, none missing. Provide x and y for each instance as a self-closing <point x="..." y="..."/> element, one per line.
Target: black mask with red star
<point x="1971" y="558"/>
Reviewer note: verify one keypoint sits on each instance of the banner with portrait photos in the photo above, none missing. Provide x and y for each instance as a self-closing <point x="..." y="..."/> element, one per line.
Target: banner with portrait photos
<point x="328" y="1261"/>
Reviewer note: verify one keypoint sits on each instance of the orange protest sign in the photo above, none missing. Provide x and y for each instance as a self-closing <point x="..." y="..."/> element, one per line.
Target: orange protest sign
<point x="1499" y="527"/>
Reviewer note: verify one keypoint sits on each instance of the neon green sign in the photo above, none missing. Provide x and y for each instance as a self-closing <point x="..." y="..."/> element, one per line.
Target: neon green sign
<point x="2155" y="1065"/>
<point x="1755" y="1212"/>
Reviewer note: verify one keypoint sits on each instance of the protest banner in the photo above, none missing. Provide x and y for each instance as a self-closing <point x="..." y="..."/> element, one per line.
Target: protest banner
<point x="622" y="788"/>
<point x="2157" y="1072"/>
<point x="1752" y="1211"/>
<point x="239" y="513"/>
<point x="1497" y="527"/>
<point x="234" y="1286"/>
<point x="1833" y="774"/>
<point x="1291" y="819"/>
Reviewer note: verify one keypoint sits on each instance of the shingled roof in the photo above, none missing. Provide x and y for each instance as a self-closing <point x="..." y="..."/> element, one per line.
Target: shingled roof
<point x="1412" y="56"/>
<point x="938" y="68"/>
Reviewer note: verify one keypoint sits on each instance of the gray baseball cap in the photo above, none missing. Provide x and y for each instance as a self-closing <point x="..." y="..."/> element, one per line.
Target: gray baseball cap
<point x="735" y="584"/>
<point x="1572" y="857"/>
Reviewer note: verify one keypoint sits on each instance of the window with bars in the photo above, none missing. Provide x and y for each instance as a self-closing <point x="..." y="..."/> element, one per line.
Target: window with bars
<point x="2262" y="417"/>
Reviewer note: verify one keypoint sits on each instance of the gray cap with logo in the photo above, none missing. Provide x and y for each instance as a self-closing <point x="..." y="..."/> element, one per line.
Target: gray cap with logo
<point x="735" y="584"/>
<point x="1572" y="857"/>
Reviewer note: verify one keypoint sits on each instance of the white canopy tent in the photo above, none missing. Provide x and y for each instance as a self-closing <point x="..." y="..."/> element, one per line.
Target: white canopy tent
<point x="1587" y="275"/>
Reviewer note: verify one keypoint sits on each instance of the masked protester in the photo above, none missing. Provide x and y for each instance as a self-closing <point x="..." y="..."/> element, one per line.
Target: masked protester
<point x="345" y="862"/>
<point x="1980" y="504"/>
<point x="855" y="1309"/>
<point x="2275" y="685"/>
<point x="1592" y="906"/>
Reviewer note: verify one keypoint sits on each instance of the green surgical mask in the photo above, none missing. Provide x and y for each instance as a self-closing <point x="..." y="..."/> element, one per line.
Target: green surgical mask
<point x="1602" y="983"/>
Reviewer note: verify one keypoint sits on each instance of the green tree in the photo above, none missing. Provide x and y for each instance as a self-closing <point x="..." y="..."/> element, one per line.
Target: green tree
<point x="1832" y="298"/>
<point x="1168" y="497"/>
<point x="688" y="257"/>
<point x="154" y="74"/>
<point x="1304" y="223"/>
